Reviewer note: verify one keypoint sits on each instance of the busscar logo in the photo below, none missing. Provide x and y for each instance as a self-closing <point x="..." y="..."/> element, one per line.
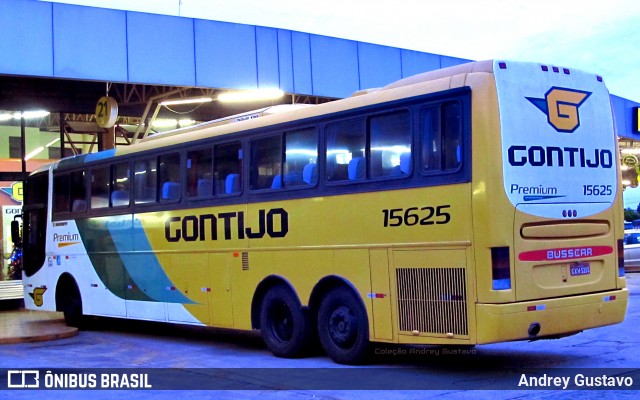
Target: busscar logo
<point x="561" y="107"/>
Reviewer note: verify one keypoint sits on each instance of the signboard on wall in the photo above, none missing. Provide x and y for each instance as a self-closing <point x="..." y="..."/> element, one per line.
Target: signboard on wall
<point x="8" y="212"/>
<point x="14" y="191"/>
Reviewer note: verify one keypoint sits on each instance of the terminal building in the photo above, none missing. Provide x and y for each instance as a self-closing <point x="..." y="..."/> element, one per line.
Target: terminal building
<point x="59" y="61"/>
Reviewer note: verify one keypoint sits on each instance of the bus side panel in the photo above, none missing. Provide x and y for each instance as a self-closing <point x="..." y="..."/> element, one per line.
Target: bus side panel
<point x="190" y="276"/>
<point x="221" y="309"/>
<point x="431" y="287"/>
<point x="382" y="310"/>
<point x="492" y="214"/>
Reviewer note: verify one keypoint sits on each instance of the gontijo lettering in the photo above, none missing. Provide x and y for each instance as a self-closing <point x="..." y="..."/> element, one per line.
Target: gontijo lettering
<point x="538" y="156"/>
<point x="273" y="223"/>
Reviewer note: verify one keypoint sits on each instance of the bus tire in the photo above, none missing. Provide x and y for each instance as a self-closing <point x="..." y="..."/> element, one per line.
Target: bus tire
<point x="343" y="327"/>
<point x="286" y="329"/>
<point x="71" y="305"/>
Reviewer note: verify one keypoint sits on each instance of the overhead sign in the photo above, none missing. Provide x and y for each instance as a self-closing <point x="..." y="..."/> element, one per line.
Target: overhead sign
<point x="106" y="112"/>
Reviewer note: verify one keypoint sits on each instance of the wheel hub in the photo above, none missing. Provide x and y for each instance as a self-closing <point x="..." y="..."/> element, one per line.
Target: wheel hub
<point x="341" y="326"/>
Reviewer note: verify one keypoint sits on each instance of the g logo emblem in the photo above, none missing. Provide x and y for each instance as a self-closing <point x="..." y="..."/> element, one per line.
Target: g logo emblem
<point x="37" y="296"/>
<point x="561" y="107"/>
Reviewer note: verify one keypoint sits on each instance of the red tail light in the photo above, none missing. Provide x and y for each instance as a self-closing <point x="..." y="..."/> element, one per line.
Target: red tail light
<point x="620" y="257"/>
<point x="500" y="268"/>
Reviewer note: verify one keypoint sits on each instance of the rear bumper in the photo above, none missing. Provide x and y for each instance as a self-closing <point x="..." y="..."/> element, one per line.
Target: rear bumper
<point x="555" y="317"/>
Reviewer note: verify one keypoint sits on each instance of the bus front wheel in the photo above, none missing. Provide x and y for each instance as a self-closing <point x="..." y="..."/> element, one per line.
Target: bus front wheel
<point x="343" y="328"/>
<point x="286" y="329"/>
<point x="70" y="303"/>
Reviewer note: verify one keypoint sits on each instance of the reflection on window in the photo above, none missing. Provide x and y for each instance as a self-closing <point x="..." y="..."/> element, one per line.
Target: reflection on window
<point x="120" y="185"/>
<point x="346" y="143"/>
<point x="78" y="190"/>
<point x="169" y="177"/>
<point x="285" y="161"/>
<point x="266" y="159"/>
<point x="442" y="137"/>
<point x="228" y="167"/>
<point x="200" y="173"/>
<point x="300" y="158"/>
<point x="390" y="141"/>
<point x="145" y="181"/>
<point x="100" y="185"/>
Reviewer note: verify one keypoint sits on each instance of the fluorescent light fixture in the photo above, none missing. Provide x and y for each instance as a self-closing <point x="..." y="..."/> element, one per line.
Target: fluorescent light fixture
<point x="30" y="114"/>
<point x="34" y="153"/>
<point x="51" y="143"/>
<point x="186" y="122"/>
<point x="250" y="95"/>
<point x="41" y="148"/>
<point x="187" y="100"/>
<point x="5" y="117"/>
<point x="164" y="123"/>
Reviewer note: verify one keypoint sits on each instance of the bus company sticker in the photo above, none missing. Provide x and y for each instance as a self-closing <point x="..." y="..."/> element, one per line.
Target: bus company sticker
<point x="558" y="141"/>
<point x="37" y="295"/>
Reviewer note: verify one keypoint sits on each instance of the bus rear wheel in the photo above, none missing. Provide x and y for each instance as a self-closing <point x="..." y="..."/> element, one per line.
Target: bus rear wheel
<point x="286" y="329"/>
<point x="343" y="328"/>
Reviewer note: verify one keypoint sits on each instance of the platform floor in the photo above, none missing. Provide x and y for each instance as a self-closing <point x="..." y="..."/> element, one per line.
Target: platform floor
<point x="22" y="326"/>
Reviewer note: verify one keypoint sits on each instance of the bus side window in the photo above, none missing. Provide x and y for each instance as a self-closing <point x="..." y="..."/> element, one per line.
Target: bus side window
<point x="266" y="160"/>
<point x="301" y="152"/>
<point x="228" y="167"/>
<point x="442" y="137"/>
<point x="199" y="173"/>
<point x="120" y="185"/>
<point x="78" y="189"/>
<point x="70" y="193"/>
<point x="169" y="176"/>
<point x="346" y="151"/>
<point x="61" y="194"/>
<point x="100" y="187"/>
<point x="452" y="136"/>
<point x="145" y="181"/>
<point x="390" y="141"/>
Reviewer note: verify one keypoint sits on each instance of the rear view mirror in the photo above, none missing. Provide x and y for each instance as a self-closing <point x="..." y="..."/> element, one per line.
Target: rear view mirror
<point x="15" y="231"/>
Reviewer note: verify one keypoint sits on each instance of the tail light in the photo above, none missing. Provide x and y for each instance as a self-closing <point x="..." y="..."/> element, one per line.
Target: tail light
<point x="620" y="258"/>
<point x="500" y="268"/>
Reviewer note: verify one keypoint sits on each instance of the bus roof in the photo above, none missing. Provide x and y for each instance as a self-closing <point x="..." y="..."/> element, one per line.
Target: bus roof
<point x="436" y="79"/>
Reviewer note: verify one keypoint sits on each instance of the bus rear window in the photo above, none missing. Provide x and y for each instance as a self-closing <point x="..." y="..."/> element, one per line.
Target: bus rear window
<point x="441" y="137"/>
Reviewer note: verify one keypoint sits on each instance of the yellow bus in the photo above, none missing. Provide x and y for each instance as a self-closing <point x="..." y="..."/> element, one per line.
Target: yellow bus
<point x="469" y="205"/>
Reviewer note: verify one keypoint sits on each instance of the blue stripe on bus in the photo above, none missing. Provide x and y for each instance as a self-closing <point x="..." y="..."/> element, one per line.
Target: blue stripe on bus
<point x="101" y="155"/>
<point x="142" y="265"/>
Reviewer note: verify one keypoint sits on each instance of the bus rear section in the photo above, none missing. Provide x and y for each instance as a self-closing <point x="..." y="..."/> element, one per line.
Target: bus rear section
<point x="558" y="269"/>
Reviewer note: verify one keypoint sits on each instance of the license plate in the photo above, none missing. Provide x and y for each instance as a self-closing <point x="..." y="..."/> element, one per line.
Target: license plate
<point x="580" y="269"/>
